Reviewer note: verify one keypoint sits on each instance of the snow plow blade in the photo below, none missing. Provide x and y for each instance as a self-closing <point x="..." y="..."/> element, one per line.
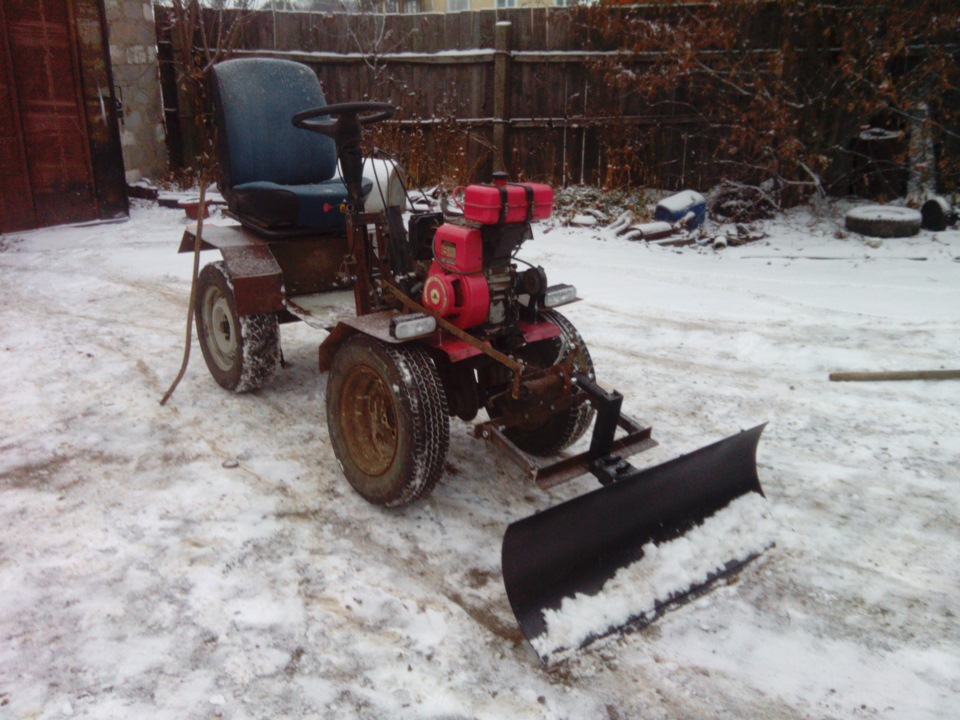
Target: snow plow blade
<point x="617" y="558"/>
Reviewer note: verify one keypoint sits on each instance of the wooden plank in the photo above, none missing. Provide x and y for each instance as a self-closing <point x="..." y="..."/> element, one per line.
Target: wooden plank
<point x="899" y="375"/>
<point x="421" y="39"/>
<point x="501" y="93"/>
<point x="536" y="20"/>
<point x="469" y="30"/>
<point x="558" y="23"/>
<point x="451" y="31"/>
<point x="481" y="57"/>
<point x="486" y="29"/>
<point x="475" y="79"/>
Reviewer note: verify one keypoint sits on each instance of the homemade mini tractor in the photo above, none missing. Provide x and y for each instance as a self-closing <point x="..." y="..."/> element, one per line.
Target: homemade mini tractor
<point x="442" y="319"/>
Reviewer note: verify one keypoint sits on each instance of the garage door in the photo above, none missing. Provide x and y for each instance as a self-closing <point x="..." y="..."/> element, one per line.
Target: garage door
<point x="60" y="159"/>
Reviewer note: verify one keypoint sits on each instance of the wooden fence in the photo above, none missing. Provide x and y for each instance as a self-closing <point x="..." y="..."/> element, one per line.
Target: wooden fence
<point x="521" y="90"/>
<point x="526" y="90"/>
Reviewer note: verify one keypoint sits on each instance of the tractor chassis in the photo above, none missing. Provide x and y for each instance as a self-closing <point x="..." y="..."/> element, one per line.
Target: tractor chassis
<point x="264" y="270"/>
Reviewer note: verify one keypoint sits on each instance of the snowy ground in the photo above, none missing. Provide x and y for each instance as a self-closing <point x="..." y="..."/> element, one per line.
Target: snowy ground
<point x="143" y="576"/>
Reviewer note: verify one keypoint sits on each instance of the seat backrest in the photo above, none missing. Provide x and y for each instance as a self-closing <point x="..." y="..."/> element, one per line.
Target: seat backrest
<point x="254" y="101"/>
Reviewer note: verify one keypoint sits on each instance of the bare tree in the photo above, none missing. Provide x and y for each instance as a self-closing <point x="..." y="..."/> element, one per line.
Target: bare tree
<point x="781" y="91"/>
<point x="198" y="45"/>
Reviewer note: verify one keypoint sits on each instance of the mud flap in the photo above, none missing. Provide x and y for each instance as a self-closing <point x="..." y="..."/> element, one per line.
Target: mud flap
<point x="618" y="557"/>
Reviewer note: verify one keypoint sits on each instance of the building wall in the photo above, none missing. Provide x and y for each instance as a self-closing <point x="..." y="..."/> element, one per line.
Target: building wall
<point x="136" y="81"/>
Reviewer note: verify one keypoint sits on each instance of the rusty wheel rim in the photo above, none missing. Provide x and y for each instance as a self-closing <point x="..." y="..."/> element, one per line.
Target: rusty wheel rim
<point x="369" y="421"/>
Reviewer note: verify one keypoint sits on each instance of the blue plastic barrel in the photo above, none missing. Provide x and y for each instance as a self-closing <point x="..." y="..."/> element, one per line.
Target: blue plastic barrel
<point x="675" y="208"/>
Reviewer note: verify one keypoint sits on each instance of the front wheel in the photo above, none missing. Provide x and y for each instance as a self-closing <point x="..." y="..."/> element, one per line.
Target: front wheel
<point x="242" y="353"/>
<point x="387" y="417"/>
<point x="546" y="437"/>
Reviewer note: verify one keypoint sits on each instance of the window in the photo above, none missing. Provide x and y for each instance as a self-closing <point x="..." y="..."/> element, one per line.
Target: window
<point x="506" y="3"/>
<point x="458" y="5"/>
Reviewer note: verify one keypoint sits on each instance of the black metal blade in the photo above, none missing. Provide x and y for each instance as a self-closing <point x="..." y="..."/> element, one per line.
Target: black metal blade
<point x="576" y="547"/>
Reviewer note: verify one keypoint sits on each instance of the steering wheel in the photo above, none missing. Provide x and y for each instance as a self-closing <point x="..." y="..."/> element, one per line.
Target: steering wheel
<point x="347" y="132"/>
<point x="348" y="117"/>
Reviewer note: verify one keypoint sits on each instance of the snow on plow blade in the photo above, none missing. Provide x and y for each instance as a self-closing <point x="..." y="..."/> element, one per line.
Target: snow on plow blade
<point x="618" y="557"/>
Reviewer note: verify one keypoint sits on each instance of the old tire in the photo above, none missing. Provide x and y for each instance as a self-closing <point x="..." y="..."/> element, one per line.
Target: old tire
<point x="936" y="214"/>
<point x="387" y="417"/>
<point x="883" y="221"/>
<point x="242" y="353"/>
<point x="561" y="430"/>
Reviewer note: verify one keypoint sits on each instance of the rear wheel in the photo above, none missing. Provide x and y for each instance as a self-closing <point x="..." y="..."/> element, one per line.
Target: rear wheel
<point x="560" y="430"/>
<point x="387" y="416"/>
<point x="242" y="353"/>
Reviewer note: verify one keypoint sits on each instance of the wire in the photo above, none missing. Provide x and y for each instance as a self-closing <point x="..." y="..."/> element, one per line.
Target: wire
<point x="202" y="210"/>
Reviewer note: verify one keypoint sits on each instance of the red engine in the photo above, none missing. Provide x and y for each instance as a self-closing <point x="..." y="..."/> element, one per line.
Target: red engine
<point x="471" y="279"/>
<point x="456" y="287"/>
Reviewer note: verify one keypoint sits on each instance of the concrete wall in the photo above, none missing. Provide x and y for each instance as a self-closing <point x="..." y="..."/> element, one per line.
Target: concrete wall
<point x="136" y="82"/>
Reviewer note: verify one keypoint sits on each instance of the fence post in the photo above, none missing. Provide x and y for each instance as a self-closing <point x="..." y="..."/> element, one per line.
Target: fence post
<point x="501" y="81"/>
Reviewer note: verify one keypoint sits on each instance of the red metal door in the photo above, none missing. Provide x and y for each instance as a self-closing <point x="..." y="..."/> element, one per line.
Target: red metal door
<point x="46" y="172"/>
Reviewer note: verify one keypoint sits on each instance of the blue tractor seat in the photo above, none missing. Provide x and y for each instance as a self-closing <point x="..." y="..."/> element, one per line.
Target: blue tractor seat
<point x="275" y="176"/>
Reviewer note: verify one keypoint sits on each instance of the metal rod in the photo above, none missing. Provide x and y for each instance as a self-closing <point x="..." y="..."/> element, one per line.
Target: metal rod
<point x="895" y="375"/>
<point x="448" y="326"/>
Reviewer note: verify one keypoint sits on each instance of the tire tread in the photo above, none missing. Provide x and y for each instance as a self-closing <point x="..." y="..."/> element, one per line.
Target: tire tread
<point x="258" y="344"/>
